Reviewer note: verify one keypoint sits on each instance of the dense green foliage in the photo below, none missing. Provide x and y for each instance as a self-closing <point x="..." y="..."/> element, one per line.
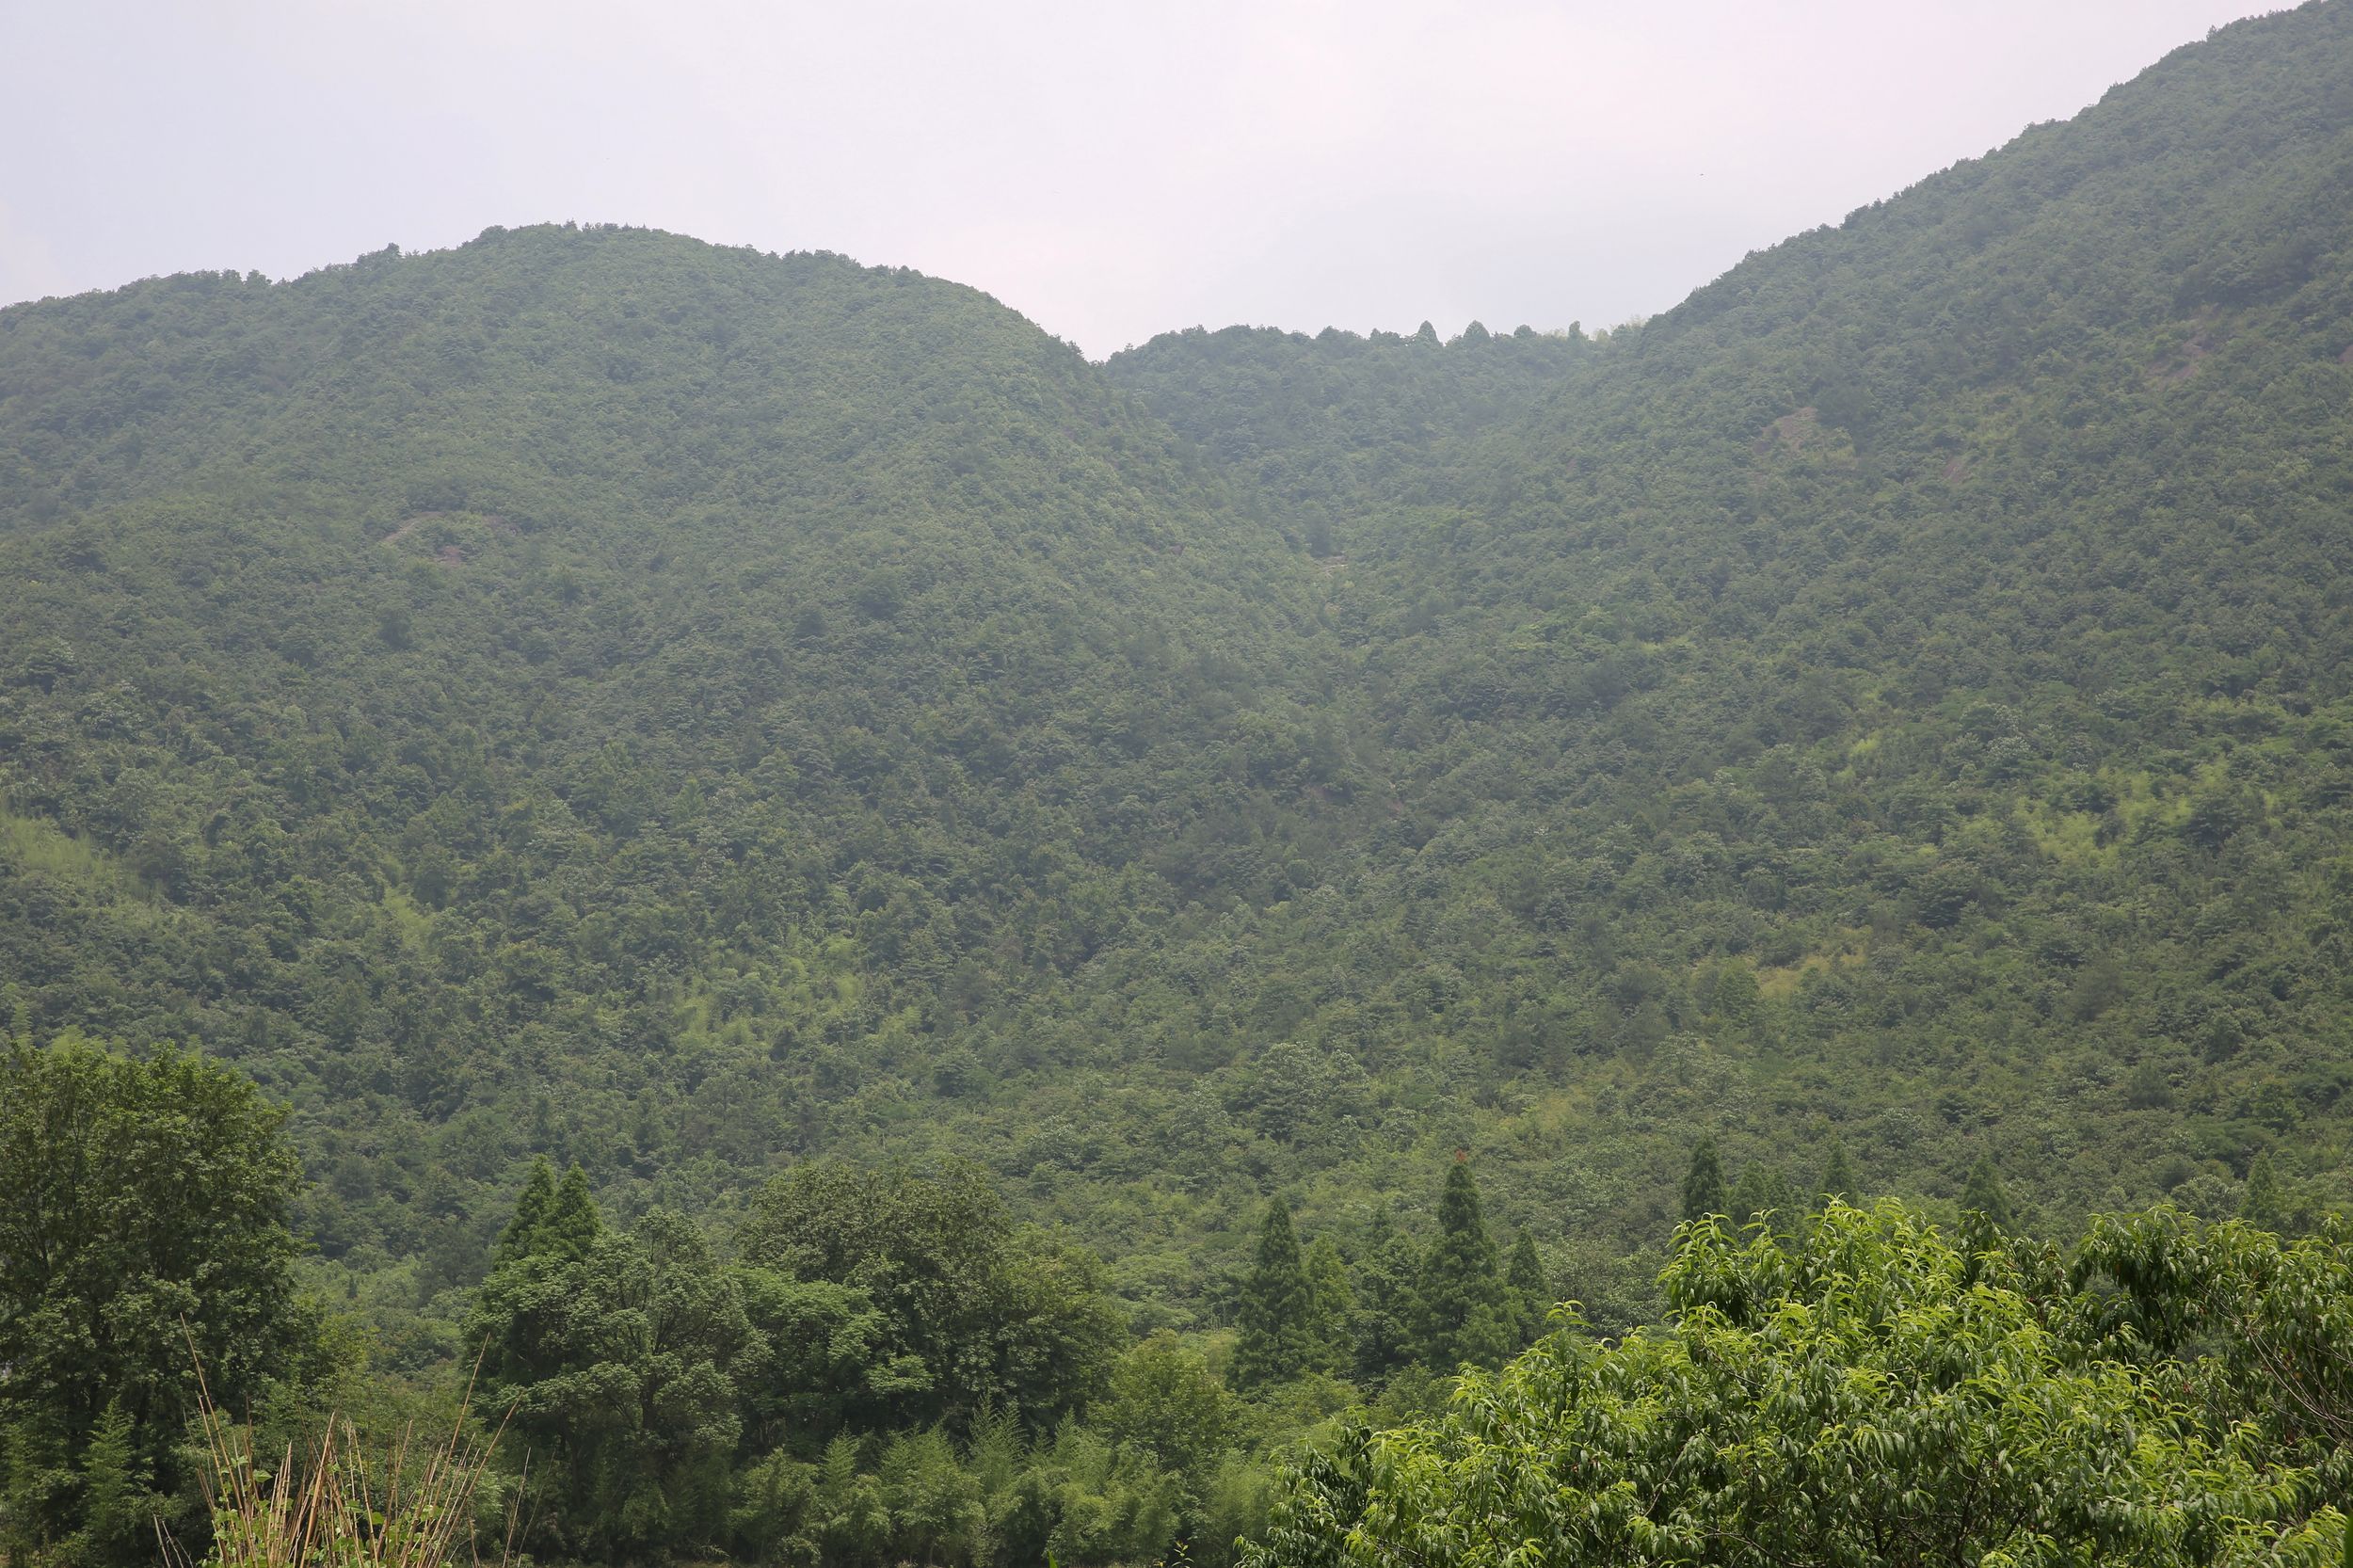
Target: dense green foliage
<point x="142" y="1228"/>
<point x="1878" y="1397"/>
<point x="888" y="1371"/>
<point x="1318" y="431"/>
<point x="974" y="1315"/>
<point x="1275" y="1317"/>
<point x="726" y="725"/>
<point x="670" y="709"/>
<point x="1895" y="697"/>
<point x="492" y="767"/>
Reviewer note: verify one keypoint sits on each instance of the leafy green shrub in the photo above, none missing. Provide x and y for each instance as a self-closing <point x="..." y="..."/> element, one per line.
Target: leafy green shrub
<point x="1870" y="1396"/>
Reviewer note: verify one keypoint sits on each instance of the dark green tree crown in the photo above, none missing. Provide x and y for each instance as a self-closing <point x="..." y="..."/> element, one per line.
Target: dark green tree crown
<point x="1704" y="1191"/>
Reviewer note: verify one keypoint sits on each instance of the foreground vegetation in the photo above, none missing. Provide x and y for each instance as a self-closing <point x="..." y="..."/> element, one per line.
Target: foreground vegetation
<point x="1873" y="1393"/>
<point x="877" y="1368"/>
<point x="871" y="1367"/>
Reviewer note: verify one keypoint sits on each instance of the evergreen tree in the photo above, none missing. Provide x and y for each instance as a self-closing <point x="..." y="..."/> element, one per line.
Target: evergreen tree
<point x="1764" y="1196"/>
<point x="1703" y="1184"/>
<point x="572" y="1224"/>
<point x="1531" y="1295"/>
<point x="526" y="1233"/>
<point x="2265" y="1204"/>
<point x="1837" y="1177"/>
<point x="1330" y="1298"/>
<point x="1465" y="1314"/>
<point x="1385" y="1307"/>
<point x="119" y="1509"/>
<point x="1984" y="1194"/>
<point x="1277" y="1311"/>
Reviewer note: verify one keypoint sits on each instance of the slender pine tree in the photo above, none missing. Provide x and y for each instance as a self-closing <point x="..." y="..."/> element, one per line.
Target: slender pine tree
<point x="1704" y="1185"/>
<point x="1386" y="1271"/>
<point x="1764" y="1196"/>
<point x="526" y="1232"/>
<point x="1984" y="1194"/>
<point x="1465" y="1313"/>
<point x="1531" y="1294"/>
<point x="2264" y="1205"/>
<point x="1837" y="1177"/>
<point x="1331" y="1293"/>
<point x="1277" y="1311"/>
<point x="572" y="1224"/>
<point x="119" y="1509"/>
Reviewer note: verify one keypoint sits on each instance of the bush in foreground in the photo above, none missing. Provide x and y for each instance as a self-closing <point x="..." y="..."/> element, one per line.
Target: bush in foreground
<point x="1872" y="1394"/>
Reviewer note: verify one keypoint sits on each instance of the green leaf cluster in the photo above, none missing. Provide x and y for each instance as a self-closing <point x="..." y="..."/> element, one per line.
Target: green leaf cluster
<point x="1873" y="1395"/>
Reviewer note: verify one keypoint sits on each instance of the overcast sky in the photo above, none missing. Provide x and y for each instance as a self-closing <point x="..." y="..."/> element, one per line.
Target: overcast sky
<point x="1109" y="170"/>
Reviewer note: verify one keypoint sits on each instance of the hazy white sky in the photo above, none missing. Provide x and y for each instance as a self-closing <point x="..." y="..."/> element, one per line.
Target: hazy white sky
<point x="1109" y="170"/>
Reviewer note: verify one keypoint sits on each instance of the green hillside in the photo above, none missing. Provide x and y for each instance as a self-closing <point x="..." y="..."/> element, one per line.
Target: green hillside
<point x="593" y="693"/>
<point x="682" y="710"/>
<point x="1895" y="699"/>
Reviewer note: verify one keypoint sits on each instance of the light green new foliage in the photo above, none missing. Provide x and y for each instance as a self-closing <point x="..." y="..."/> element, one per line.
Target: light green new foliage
<point x="1870" y="1397"/>
<point x="118" y="1510"/>
<point x="1166" y="1401"/>
<point x="2258" y="1326"/>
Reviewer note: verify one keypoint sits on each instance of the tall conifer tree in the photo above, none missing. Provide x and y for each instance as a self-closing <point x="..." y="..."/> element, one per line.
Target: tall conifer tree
<point x="526" y="1231"/>
<point x="1386" y="1272"/>
<point x="1278" y="1312"/>
<point x="2264" y="1205"/>
<point x="1531" y="1294"/>
<point x="1331" y="1295"/>
<point x="1703" y="1184"/>
<point x="572" y="1224"/>
<point x="1465" y="1313"/>
<point x="1837" y="1177"/>
<point x="1984" y="1194"/>
<point x="1764" y="1196"/>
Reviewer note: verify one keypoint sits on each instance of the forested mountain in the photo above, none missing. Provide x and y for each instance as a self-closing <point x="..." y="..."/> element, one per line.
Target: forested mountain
<point x="595" y="692"/>
<point x="682" y="710"/>
<point x="1896" y="698"/>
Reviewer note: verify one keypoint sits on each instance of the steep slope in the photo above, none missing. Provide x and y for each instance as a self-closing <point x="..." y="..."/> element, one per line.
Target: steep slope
<point x="1898" y="698"/>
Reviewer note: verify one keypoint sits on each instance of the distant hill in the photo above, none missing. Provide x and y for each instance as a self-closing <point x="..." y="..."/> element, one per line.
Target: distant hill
<point x="593" y="693"/>
<point x="515" y="696"/>
<point x="1898" y="697"/>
